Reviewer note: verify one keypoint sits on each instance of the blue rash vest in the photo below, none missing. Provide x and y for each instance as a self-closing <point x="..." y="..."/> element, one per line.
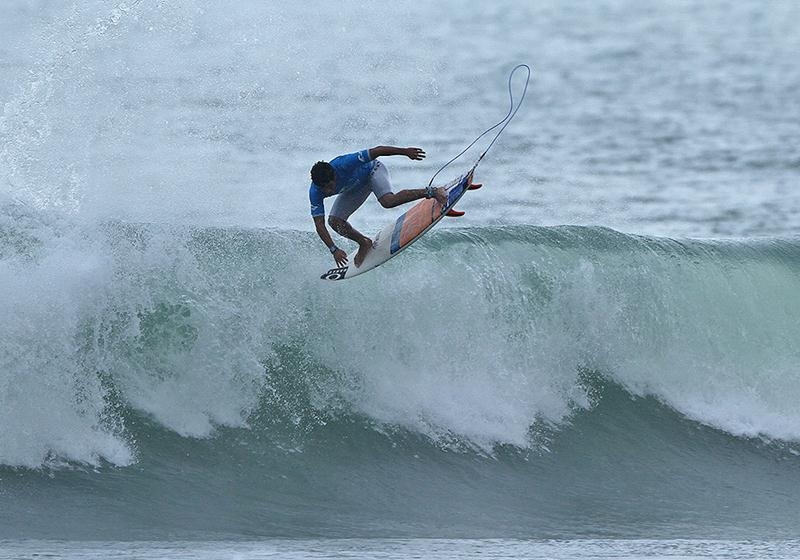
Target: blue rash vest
<point x="352" y="172"/>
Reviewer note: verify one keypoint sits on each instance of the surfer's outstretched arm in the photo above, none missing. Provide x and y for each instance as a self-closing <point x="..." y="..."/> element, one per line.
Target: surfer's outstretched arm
<point x="410" y="153"/>
<point x="338" y="255"/>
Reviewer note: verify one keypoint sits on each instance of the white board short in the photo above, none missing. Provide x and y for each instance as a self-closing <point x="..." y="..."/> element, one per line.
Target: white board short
<point x="348" y="202"/>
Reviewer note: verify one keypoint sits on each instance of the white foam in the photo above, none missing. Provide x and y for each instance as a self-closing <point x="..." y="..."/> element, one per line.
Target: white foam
<point x="51" y="406"/>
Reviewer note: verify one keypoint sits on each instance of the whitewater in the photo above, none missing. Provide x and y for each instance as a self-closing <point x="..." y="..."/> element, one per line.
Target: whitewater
<point x="191" y="325"/>
<point x="600" y="359"/>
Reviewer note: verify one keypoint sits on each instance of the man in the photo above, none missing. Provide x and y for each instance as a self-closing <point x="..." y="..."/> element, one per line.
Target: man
<point x="353" y="177"/>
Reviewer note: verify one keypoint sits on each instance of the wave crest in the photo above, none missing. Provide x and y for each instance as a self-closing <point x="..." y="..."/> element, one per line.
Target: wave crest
<point x="472" y="337"/>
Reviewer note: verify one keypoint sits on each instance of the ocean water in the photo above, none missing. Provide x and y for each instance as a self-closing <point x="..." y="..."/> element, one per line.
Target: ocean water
<point x="600" y="360"/>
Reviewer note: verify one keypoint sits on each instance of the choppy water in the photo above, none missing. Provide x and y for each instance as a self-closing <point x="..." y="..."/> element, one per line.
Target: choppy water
<point x="174" y="374"/>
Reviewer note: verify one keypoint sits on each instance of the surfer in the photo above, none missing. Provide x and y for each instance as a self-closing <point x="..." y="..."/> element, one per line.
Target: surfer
<point x="353" y="177"/>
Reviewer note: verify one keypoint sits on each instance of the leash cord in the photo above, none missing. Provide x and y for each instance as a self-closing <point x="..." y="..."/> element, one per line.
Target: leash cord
<point x="512" y="111"/>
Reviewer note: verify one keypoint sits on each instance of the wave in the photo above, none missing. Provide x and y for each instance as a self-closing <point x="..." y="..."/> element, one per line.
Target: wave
<point x="625" y="467"/>
<point x="474" y="339"/>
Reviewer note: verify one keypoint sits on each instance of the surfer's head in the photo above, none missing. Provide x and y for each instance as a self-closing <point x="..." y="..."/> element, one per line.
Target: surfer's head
<point x="322" y="174"/>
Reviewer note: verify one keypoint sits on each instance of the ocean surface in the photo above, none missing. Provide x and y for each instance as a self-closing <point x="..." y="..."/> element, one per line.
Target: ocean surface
<point x="601" y="359"/>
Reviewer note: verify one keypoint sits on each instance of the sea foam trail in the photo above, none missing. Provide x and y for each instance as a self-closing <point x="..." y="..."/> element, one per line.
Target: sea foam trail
<point x="471" y="338"/>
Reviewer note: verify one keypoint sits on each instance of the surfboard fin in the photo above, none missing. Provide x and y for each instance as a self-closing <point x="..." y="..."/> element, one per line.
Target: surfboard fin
<point x="454" y="213"/>
<point x="474" y="186"/>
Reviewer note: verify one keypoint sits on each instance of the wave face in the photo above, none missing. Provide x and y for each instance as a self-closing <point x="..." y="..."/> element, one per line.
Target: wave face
<point x="490" y="368"/>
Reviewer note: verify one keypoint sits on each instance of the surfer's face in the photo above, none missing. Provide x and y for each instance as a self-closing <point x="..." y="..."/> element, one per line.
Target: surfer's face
<point x="329" y="187"/>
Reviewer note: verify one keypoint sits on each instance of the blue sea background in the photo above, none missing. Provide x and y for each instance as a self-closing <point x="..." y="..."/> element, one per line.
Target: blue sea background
<point x="600" y="359"/>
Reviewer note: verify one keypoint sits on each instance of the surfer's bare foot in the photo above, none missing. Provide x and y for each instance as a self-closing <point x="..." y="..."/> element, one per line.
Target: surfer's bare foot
<point x="440" y="194"/>
<point x="363" y="248"/>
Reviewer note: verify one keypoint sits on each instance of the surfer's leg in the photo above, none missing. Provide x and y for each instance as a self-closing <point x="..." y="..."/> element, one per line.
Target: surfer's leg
<point x="347" y="203"/>
<point x="379" y="181"/>
<point x="344" y="229"/>
<point x="381" y="185"/>
<point x="390" y="200"/>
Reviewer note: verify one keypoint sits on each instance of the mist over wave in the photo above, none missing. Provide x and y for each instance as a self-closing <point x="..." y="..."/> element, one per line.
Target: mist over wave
<point x="473" y="338"/>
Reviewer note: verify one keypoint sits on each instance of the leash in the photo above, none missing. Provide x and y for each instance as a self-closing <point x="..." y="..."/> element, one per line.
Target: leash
<point x="512" y="111"/>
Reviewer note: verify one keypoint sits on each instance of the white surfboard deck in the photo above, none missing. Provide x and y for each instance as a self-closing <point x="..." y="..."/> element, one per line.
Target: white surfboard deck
<point x="406" y="229"/>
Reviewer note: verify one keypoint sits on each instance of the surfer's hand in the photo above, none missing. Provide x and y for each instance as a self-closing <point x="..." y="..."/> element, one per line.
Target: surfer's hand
<point x="340" y="257"/>
<point x="440" y="194"/>
<point x="415" y="153"/>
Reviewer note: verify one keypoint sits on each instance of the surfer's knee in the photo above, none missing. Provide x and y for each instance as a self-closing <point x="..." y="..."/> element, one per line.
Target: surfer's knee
<point x="338" y="224"/>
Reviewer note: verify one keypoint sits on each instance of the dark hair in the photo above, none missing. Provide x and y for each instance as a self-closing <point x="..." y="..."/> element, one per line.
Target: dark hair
<point x="322" y="173"/>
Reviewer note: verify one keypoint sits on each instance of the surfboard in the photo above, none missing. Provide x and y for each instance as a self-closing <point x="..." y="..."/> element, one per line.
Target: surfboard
<point x="413" y="224"/>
